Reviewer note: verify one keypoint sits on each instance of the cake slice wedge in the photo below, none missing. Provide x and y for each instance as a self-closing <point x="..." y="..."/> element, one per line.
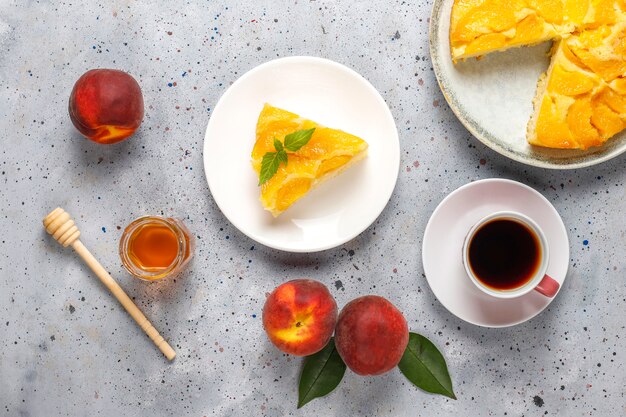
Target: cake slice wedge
<point x="328" y="153"/>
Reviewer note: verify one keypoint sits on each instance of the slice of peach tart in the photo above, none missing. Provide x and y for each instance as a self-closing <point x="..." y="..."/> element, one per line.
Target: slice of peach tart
<point x="293" y="155"/>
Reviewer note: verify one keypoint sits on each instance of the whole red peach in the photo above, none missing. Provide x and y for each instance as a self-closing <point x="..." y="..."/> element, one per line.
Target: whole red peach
<point x="299" y="316"/>
<point x="106" y="105"/>
<point x="371" y="335"/>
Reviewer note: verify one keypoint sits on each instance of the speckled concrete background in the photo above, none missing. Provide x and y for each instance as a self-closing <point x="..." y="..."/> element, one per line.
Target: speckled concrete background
<point x="68" y="349"/>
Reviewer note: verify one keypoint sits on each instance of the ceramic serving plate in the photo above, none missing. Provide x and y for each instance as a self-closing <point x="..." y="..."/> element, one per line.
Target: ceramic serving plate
<point x="332" y="95"/>
<point x="493" y="98"/>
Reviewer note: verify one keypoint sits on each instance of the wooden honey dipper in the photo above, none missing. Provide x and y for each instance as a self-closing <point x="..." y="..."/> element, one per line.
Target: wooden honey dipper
<point x="59" y="224"/>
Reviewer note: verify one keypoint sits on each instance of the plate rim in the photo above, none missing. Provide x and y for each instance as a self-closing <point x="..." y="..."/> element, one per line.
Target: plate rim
<point x="495" y="180"/>
<point x="395" y="138"/>
<point x="530" y="161"/>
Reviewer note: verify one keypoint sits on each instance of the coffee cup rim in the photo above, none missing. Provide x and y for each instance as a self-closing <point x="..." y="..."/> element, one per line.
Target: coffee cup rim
<point x="539" y="274"/>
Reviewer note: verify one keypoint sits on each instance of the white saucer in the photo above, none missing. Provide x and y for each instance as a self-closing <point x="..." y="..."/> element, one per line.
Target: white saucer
<point x="332" y="95"/>
<point x="443" y="242"/>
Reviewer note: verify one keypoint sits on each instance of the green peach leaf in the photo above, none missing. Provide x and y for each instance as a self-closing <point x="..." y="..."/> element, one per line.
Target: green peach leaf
<point x="425" y="366"/>
<point x="321" y="374"/>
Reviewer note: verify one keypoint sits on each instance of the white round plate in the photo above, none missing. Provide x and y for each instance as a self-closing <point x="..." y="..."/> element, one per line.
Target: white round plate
<point x="332" y="95"/>
<point x="493" y="98"/>
<point x="443" y="246"/>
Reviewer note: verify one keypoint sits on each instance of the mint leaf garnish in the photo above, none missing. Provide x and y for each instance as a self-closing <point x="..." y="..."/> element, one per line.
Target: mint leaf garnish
<point x="282" y="157"/>
<point x="272" y="160"/>
<point x="278" y="145"/>
<point x="296" y="140"/>
<point x="269" y="166"/>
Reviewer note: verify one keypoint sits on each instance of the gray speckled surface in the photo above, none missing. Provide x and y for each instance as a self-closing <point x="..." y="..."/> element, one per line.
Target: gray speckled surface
<point x="67" y="348"/>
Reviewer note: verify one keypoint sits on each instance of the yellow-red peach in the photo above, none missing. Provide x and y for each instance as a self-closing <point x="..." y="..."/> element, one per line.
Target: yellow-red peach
<point x="106" y="105"/>
<point x="299" y="316"/>
<point x="371" y="335"/>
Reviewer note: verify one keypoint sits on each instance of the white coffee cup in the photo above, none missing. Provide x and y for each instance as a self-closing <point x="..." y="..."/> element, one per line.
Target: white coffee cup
<point x="540" y="281"/>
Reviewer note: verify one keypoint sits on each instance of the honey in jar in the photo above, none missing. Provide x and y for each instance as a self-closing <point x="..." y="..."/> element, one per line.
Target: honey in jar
<point x="154" y="247"/>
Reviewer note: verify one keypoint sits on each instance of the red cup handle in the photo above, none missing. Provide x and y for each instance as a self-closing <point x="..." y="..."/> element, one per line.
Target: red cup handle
<point x="548" y="286"/>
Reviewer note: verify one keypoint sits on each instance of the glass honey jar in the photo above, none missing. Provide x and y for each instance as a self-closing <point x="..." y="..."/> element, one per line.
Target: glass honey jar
<point x="155" y="247"/>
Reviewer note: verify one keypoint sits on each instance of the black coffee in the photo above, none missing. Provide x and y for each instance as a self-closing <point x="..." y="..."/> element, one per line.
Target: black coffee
<point x="504" y="254"/>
